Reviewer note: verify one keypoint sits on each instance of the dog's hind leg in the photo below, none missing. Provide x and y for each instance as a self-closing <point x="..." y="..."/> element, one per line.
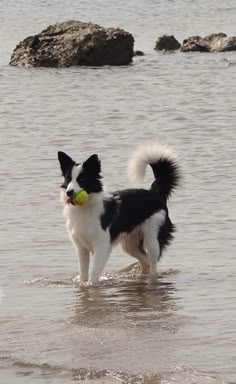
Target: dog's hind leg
<point x="151" y="229"/>
<point x="153" y="251"/>
<point x="132" y="244"/>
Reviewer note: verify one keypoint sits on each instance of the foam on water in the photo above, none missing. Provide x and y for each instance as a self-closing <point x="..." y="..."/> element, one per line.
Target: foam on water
<point x="108" y="279"/>
<point x="179" y="375"/>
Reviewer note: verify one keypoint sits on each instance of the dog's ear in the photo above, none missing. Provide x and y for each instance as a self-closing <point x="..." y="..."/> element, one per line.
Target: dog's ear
<point x="93" y="165"/>
<point x="65" y="161"/>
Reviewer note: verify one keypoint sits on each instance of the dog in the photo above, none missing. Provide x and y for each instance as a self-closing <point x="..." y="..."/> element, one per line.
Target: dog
<point x="137" y="218"/>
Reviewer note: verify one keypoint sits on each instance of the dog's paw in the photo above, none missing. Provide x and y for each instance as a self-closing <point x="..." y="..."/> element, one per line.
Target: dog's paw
<point x="145" y="269"/>
<point x="80" y="279"/>
<point x="152" y="278"/>
<point x="91" y="284"/>
<point x="93" y="281"/>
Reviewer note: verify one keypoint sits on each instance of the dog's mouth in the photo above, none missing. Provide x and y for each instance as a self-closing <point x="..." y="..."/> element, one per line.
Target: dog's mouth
<point x="69" y="200"/>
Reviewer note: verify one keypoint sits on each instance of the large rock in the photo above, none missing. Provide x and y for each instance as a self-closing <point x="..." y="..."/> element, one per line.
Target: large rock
<point x="215" y="42"/>
<point x="75" y="43"/>
<point x="167" y="43"/>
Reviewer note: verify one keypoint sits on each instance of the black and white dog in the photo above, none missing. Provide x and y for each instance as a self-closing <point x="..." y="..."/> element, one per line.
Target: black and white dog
<point x="136" y="218"/>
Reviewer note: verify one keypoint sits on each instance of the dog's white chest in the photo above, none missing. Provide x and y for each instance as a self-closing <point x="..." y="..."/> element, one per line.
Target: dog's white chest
<point x="83" y="226"/>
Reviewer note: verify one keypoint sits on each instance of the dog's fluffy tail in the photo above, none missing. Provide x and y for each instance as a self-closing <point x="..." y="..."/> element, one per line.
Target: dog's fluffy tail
<point x="164" y="166"/>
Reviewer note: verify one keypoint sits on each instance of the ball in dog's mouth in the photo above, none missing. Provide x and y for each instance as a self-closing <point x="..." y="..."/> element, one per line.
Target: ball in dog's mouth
<point x="78" y="198"/>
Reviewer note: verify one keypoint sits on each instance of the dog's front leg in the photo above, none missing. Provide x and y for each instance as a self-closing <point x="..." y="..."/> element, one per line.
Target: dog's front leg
<point x="101" y="256"/>
<point x="83" y="255"/>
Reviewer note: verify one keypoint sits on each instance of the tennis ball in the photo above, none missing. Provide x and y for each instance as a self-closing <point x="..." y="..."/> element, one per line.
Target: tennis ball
<point x="80" y="198"/>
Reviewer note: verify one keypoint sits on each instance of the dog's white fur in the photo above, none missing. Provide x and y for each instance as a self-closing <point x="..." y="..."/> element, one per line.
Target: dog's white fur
<point x="87" y="235"/>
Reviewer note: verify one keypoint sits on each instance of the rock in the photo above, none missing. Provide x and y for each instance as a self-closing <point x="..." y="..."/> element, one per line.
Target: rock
<point x="219" y="42"/>
<point x="139" y="53"/>
<point x="229" y="44"/>
<point x="75" y="43"/>
<point x="215" y="42"/>
<point x="167" y="43"/>
<point x="194" y="44"/>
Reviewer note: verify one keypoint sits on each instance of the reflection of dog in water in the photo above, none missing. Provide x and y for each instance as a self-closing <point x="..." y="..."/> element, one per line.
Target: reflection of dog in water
<point x="123" y="298"/>
<point x="136" y="218"/>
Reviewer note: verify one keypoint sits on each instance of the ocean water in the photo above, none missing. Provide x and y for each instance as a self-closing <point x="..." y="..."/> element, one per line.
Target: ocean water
<point x="181" y="329"/>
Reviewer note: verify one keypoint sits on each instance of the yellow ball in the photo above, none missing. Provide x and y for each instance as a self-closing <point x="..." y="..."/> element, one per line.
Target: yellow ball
<point x="80" y="198"/>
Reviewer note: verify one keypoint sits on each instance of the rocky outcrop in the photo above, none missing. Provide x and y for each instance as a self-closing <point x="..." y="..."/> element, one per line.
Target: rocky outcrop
<point x="167" y="43"/>
<point x="215" y="42"/>
<point x="75" y="43"/>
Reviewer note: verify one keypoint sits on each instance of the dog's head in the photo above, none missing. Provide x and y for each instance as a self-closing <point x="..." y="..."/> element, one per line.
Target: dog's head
<point x="77" y="176"/>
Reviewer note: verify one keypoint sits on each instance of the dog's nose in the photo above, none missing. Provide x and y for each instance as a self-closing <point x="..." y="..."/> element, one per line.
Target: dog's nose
<point x="70" y="193"/>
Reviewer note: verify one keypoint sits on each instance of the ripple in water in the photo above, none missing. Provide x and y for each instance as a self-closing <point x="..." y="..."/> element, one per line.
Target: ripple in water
<point x="179" y="375"/>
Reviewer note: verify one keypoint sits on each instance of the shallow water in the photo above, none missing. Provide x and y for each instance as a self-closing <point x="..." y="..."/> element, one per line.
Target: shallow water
<point x="181" y="329"/>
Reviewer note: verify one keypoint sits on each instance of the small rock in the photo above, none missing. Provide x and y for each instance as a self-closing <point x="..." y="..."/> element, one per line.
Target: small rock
<point x="139" y="53"/>
<point x="167" y="43"/>
<point x="215" y="42"/>
<point x="219" y="42"/>
<point x="194" y="44"/>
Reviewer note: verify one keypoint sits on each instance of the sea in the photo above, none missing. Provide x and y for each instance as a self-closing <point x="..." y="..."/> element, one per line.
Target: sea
<point x="180" y="329"/>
